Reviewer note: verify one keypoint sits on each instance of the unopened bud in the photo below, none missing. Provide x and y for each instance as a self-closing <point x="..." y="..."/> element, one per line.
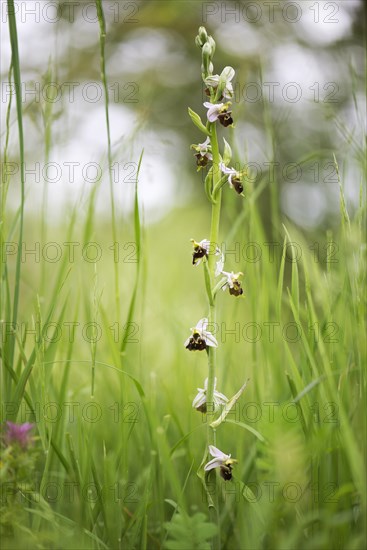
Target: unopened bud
<point x="211" y="41"/>
<point x="206" y="55"/>
<point x="203" y="35"/>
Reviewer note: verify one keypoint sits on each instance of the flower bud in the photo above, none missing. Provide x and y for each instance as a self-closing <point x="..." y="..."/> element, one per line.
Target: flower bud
<point x="203" y="35"/>
<point x="206" y="55"/>
<point x="198" y="42"/>
<point x="211" y="41"/>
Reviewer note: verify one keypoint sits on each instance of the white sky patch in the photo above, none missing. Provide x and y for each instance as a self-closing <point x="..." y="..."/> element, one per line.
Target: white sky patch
<point x="239" y="39"/>
<point x="324" y="22"/>
<point x="147" y="48"/>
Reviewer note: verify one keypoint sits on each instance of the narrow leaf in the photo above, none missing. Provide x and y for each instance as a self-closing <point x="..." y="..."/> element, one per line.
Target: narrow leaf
<point x="198" y="123"/>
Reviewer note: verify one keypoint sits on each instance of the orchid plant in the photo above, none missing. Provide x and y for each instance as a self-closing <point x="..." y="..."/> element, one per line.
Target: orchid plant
<point x="208" y="157"/>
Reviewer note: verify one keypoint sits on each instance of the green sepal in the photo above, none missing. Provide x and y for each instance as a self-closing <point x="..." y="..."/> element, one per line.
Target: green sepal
<point x="227" y="153"/>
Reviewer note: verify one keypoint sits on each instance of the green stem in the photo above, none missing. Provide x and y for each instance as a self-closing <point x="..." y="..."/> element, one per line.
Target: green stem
<point x="18" y="99"/>
<point x="214" y="235"/>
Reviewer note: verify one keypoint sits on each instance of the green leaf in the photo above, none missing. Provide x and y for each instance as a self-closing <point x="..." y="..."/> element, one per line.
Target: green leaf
<point x="281" y="280"/>
<point x="295" y="276"/>
<point x="198" y="123"/>
<point x="249" y="429"/>
<point x="208" y="184"/>
<point x="137" y="228"/>
<point x="192" y="532"/>
<point x="228" y="406"/>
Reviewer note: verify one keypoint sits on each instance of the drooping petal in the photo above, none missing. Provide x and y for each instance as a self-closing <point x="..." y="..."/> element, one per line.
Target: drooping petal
<point x="223" y="168"/>
<point x="220" y="397"/>
<point x="215" y="463"/>
<point x="212" y="114"/>
<point x="205" y="143"/>
<point x="199" y="399"/>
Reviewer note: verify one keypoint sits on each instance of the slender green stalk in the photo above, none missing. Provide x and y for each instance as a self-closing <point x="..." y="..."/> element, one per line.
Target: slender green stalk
<point x="47" y="123"/>
<point x="214" y="235"/>
<point x="18" y="99"/>
<point x="102" y="42"/>
<point x="4" y="293"/>
<point x="212" y="352"/>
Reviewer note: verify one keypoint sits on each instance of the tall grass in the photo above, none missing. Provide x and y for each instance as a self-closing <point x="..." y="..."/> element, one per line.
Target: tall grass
<point x="116" y="467"/>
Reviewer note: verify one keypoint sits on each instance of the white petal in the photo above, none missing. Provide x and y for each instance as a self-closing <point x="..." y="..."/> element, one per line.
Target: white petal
<point x="206" y="383"/>
<point x="219" y="266"/>
<point x="205" y="243"/>
<point x="220" y="397"/>
<point x="215" y="463"/>
<point x="202" y="324"/>
<point x="228" y="91"/>
<point x="228" y="73"/>
<point x="187" y="341"/>
<point x="212" y="80"/>
<point x="213" y="110"/>
<point x="229" y="278"/>
<point x="212" y="115"/>
<point x="199" y="400"/>
<point x="223" y="168"/>
<point x="205" y="143"/>
<point x="217" y="453"/>
<point x="210" y="340"/>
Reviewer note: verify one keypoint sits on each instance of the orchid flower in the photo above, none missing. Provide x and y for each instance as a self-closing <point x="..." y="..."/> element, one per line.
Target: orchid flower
<point x="200" y="338"/>
<point x="219" y="111"/>
<point x="222" y="461"/>
<point x="233" y="283"/>
<point x="199" y="402"/>
<point x="234" y="177"/>
<point x="201" y="250"/>
<point x="223" y="81"/>
<point x="203" y="153"/>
